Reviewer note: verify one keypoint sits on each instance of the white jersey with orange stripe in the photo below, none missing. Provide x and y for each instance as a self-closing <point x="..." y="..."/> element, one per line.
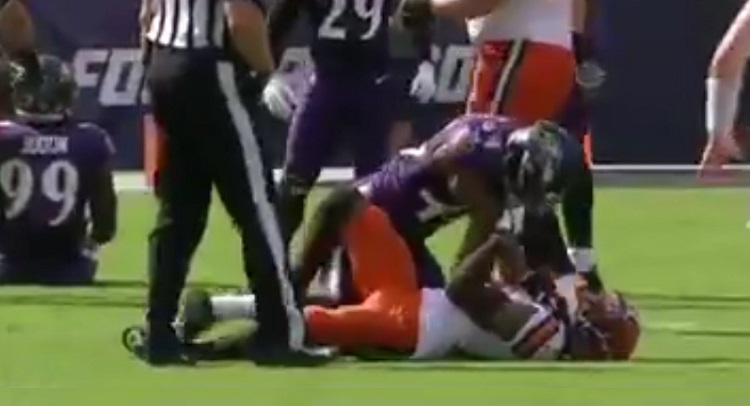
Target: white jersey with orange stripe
<point x="545" y="21"/>
<point x="542" y="337"/>
<point x="444" y="328"/>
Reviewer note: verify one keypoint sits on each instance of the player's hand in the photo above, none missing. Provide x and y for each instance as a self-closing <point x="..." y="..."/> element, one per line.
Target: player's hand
<point x="424" y="84"/>
<point x="717" y="153"/>
<point x="279" y="97"/>
<point x="590" y="77"/>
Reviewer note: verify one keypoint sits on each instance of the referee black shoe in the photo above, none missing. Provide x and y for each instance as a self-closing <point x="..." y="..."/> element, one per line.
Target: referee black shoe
<point x="162" y="349"/>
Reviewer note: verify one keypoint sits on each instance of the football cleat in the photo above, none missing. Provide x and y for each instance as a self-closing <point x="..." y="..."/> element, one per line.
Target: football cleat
<point x="162" y="350"/>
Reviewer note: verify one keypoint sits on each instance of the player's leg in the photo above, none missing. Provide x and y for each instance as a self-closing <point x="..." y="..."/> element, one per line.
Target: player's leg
<point x="313" y="136"/>
<point x="372" y="119"/>
<point x="389" y="322"/>
<point x="245" y="185"/>
<point x="323" y="234"/>
<point x="525" y="80"/>
<point x="183" y="192"/>
<point x="76" y="272"/>
<point x="381" y="259"/>
<point x="404" y="105"/>
<point x="578" y="195"/>
<point x="543" y="243"/>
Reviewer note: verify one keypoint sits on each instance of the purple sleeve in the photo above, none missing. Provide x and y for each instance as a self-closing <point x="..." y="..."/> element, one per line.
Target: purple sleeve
<point x="102" y="147"/>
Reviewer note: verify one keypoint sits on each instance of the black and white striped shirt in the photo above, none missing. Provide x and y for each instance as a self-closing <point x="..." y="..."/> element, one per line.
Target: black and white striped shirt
<point x="188" y="24"/>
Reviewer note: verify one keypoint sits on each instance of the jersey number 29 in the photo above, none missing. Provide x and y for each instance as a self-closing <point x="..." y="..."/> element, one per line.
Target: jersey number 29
<point x="370" y="11"/>
<point x="58" y="182"/>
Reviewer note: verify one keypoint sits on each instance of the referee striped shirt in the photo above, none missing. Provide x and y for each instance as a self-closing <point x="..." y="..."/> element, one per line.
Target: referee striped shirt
<point x="188" y="24"/>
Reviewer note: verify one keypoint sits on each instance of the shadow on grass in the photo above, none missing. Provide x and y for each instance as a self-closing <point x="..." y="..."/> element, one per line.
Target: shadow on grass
<point x="72" y="300"/>
<point x="137" y="284"/>
<point x="103" y="294"/>
<point x="679" y="302"/>
<point x="665" y="297"/>
<point x="690" y="361"/>
<point x="715" y="333"/>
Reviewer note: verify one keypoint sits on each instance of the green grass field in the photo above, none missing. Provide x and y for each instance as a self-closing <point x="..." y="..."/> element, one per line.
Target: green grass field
<point x="683" y="255"/>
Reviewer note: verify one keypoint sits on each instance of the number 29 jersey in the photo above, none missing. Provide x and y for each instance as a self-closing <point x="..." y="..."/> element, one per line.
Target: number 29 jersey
<point x="47" y="178"/>
<point x="418" y="195"/>
<point x="351" y="36"/>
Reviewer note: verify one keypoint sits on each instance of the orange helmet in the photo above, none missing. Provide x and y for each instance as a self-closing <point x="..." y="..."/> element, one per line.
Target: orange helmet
<point x="617" y="321"/>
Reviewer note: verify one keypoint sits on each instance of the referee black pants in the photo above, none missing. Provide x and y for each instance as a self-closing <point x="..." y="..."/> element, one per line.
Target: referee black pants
<point x="209" y="141"/>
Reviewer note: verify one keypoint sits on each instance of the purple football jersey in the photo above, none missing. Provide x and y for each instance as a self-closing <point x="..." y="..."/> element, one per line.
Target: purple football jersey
<point x="47" y="178"/>
<point x="418" y="196"/>
<point x="351" y="36"/>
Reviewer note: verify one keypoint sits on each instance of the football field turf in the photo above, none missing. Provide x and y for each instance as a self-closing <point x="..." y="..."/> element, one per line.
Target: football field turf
<point x="682" y="255"/>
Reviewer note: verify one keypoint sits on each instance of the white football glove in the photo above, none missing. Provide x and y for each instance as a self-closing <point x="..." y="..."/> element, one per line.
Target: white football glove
<point x="424" y="85"/>
<point x="279" y="97"/>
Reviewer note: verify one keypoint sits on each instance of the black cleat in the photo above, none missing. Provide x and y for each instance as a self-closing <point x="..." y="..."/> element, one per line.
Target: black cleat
<point x="593" y="280"/>
<point x="197" y="315"/>
<point x="162" y="350"/>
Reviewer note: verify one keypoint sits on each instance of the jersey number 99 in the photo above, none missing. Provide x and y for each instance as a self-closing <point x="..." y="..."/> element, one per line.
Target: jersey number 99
<point x="370" y="11"/>
<point x="58" y="183"/>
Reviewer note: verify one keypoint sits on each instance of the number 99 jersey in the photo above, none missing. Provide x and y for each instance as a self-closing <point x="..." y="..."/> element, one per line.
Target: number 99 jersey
<point x="47" y="178"/>
<point x="350" y="35"/>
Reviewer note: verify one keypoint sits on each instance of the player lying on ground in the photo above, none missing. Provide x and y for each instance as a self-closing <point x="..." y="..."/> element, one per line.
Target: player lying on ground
<point x="723" y="87"/>
<point x="479" y="314"/>
<point x="59" y="203"/>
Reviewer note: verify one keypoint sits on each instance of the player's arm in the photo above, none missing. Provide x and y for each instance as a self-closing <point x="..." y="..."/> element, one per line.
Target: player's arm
<point x="281" y="20"/>
<point x="484" y="210"/>
<point x="725" y="76"/>
<point x="250" y="37"/>
<point x="103" y="203"/>
<point x="145" y="15"/>
<point x="17" y="34"/>
<point x="472" y="288"/>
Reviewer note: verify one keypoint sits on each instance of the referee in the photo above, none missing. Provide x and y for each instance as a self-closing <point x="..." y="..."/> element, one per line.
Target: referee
<point x="199" y="59"/>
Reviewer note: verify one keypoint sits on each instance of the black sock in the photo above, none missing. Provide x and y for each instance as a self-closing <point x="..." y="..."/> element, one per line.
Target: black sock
<point x="577" y="208"/>
<point x="291" y="197"/>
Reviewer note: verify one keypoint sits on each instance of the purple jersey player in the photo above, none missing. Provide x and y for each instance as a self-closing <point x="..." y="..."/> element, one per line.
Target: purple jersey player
<point x="349" y="97"/>
<point x="55" y="183"/>
<point x="475" y="166"/>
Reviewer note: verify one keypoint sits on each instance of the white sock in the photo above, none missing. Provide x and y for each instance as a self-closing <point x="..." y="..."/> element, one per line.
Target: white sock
<point x="232" y="307"/>
<point x="583" y="259"/>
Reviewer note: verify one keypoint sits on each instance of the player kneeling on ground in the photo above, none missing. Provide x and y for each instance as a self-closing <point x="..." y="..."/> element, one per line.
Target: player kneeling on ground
<point x="59" y="203"/>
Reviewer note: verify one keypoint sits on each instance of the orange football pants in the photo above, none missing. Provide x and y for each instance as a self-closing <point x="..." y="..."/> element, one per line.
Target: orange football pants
<point x="383" y="273"/>
<point x="524" y="80"/>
